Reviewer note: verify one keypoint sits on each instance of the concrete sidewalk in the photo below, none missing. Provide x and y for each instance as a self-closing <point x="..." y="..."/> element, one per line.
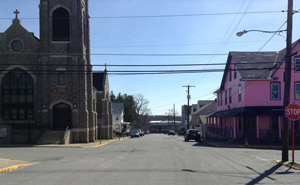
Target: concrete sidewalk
<point x="295" y="165"/>
<point x="226" y="144"/>
<point x="72" y="145"/>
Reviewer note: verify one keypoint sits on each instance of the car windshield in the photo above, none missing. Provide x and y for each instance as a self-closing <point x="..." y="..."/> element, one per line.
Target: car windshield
<point x="193" y="131"/>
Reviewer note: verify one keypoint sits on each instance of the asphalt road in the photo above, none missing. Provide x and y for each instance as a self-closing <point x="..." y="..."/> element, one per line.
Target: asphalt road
<point x="154" y="159"/>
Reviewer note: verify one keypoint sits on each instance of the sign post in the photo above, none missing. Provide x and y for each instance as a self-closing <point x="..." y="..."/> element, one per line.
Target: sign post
<point x="292" y="112"/>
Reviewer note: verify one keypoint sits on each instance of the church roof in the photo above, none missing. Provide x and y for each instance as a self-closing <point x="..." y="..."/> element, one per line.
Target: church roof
<point x="99" y="79"/>
<point x="117" y="108"/>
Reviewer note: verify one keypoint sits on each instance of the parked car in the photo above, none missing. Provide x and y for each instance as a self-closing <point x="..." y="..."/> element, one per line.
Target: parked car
<point x="171" y="132"/>
<point x="192" y="134"/>
<point x="135" y="134"/>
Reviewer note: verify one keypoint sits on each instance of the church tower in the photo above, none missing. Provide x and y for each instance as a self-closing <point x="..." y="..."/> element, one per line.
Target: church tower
<point x="66" y="82"/>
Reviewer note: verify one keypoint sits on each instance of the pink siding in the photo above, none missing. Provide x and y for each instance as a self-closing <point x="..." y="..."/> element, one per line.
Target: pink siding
<point x="233" y="84"/>
<point x="257" y="92"/>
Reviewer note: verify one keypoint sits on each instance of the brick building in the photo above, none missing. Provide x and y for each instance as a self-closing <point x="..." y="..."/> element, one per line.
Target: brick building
<point x="47" y="83"/>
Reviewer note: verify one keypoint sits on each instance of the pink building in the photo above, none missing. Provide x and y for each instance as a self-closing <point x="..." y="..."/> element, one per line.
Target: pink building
<point x="250" y="98"/>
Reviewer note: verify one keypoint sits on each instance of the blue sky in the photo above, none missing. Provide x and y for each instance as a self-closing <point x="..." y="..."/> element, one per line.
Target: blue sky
<point x="210" y="34"/>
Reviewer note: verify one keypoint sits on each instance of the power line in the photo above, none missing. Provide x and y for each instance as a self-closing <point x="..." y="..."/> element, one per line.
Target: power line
<point x="165" y="45"/>
<point x="119" y="54"/>
<point x="134" y="65"/>
<point x="253" y="57"/>
<point x="138" y="72"/>
<point x="163" y="16"/>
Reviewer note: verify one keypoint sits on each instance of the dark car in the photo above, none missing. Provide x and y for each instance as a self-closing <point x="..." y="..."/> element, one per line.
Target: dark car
<point x="171" y="132"/>
<point x="192" y="134"/>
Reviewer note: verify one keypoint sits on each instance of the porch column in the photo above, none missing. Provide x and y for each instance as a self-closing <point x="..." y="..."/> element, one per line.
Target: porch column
<point x="234" y="127"/>
<point x="207" y="125"/>
<point x="279" y="126"/>
<point x="257" y="126"/>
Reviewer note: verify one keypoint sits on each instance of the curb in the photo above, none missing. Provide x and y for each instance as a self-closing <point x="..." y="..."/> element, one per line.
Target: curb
<point x="288" y="164"/>
<point x="261" y="147"/>
<point x="92" y="145"/>
<point x="101" y="145"/>
<point x="14" y="167"/>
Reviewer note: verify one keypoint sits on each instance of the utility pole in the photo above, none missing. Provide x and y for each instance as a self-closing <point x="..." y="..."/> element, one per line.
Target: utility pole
<point x="174" y="117"/>
<point x="188" y="108"/>
<point x="287" y="81"/>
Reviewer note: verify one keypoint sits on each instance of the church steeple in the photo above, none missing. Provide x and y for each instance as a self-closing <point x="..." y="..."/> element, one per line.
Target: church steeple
<point x="17" y="12"/>
<point x="17" y="20"/>
<point x="64" y="27"/>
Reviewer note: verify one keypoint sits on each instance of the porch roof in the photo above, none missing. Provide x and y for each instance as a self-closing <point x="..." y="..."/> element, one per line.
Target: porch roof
<point x="250" y="111"/>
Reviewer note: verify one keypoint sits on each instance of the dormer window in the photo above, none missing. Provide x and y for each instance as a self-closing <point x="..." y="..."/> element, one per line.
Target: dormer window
<point x="60" y="25"/>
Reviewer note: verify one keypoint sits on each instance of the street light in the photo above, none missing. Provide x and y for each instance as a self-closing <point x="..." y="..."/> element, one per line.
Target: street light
<point x="287" y="75"/>
<point x="241" y="33"/>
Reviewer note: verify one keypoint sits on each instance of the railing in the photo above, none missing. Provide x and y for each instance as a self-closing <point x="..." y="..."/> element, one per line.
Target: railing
<point x="42" y="131"/>
<point x="66" y="138"/>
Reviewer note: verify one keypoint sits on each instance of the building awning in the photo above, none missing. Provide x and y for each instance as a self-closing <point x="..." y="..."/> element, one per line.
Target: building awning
<point x="250" y="111"/>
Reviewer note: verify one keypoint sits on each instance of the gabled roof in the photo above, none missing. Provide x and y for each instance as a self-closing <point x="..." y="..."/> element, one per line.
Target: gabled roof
<point x="99" y="79"/>
<point x="204" y="102"/>
<point x="207" y="109"/>
<point x="117" y="108"/>
<point x="255" y="65"/>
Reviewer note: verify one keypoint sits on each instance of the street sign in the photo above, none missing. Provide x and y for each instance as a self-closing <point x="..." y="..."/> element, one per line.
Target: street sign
<point x="292" y="112"/>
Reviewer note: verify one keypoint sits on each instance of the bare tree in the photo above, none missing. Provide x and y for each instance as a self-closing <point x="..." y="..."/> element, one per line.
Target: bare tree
<point x="172" y="117"/>
<point x="142" y="110"/>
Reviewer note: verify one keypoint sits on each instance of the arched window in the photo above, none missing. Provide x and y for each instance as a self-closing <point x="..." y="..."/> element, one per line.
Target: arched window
<point x="17" y="95"/>
<point x="61" y="25"/>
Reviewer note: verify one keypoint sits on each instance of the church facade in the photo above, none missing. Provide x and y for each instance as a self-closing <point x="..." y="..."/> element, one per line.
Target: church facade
<point x="47" y="83"/>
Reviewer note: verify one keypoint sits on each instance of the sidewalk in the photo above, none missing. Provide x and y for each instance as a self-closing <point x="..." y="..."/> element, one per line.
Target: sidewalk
<point x="72" y="145"/>
<point x="228" y="144"/>
<point x="295" y="165"/>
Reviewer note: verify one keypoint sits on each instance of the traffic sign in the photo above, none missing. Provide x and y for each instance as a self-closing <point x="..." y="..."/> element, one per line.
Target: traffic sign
<point x="292" y="112"/>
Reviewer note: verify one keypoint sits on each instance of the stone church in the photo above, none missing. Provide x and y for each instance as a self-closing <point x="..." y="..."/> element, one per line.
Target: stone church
<point x="49" y="93"/>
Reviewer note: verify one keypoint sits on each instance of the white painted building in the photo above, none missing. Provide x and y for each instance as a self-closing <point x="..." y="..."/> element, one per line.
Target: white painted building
<point x="118" y="119"/>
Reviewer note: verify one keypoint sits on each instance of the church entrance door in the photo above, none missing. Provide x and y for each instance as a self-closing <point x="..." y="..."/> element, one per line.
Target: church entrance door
<point x="62" y="116"/>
